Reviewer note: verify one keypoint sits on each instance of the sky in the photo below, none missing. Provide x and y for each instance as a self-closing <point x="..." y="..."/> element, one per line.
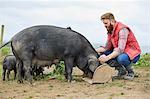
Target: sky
<point x="82" y="16"/>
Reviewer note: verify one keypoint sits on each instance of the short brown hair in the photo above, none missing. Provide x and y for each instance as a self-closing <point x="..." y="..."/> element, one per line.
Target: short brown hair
<point x="107" y="16"/>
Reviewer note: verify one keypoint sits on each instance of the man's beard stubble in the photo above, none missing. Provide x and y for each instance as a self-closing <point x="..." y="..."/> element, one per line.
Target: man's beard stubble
<point x="110" y="29"/>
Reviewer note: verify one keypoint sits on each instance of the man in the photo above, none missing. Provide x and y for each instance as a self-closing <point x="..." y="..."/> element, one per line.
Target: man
<point x="121" y="48"/>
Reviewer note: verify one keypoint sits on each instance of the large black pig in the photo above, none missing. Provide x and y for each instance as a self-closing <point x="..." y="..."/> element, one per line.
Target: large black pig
<point x="40" y="44"/>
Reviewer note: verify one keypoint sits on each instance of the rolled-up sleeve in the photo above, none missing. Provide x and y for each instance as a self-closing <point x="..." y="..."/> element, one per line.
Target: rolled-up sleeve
<point x="123" y="35"/>
<point x="108" y="45"/>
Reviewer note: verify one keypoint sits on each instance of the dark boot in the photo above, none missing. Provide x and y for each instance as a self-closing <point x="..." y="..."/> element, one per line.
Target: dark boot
<point x="121" y="69"/>
<point x="130" y="75"/>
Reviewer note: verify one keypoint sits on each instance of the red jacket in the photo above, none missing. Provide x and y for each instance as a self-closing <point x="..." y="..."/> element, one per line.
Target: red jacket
<point x="132" y="47"/>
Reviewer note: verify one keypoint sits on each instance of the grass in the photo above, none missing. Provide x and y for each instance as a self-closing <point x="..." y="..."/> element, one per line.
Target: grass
<point x="144" y="61"/>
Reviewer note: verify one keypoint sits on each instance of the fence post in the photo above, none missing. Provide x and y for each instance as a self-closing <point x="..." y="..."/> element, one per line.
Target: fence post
<point x="1" y="37"/>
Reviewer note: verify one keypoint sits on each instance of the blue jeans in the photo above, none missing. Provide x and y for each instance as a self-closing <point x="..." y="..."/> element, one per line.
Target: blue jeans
<point x="123" y="58"/>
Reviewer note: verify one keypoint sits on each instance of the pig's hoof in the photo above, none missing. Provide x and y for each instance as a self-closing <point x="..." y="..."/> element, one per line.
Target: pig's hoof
<point x="73" y="81"/>
<point x="20" y="81"/>
<point x="32" y="84"/>
<point x="69" y="81"/>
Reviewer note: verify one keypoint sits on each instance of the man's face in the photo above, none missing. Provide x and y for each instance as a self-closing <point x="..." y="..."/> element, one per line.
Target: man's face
<point x="108" y="25"/>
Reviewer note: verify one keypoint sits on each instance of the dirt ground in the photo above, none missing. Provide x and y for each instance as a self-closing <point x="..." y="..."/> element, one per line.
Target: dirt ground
<point x="139" y="88"/>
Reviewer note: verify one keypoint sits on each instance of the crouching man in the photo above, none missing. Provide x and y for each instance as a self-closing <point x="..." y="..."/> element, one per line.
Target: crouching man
<point x="122" y="48"/>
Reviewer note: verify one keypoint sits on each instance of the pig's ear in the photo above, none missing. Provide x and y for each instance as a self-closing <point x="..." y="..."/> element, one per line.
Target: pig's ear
<point x="91" y="65"/>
